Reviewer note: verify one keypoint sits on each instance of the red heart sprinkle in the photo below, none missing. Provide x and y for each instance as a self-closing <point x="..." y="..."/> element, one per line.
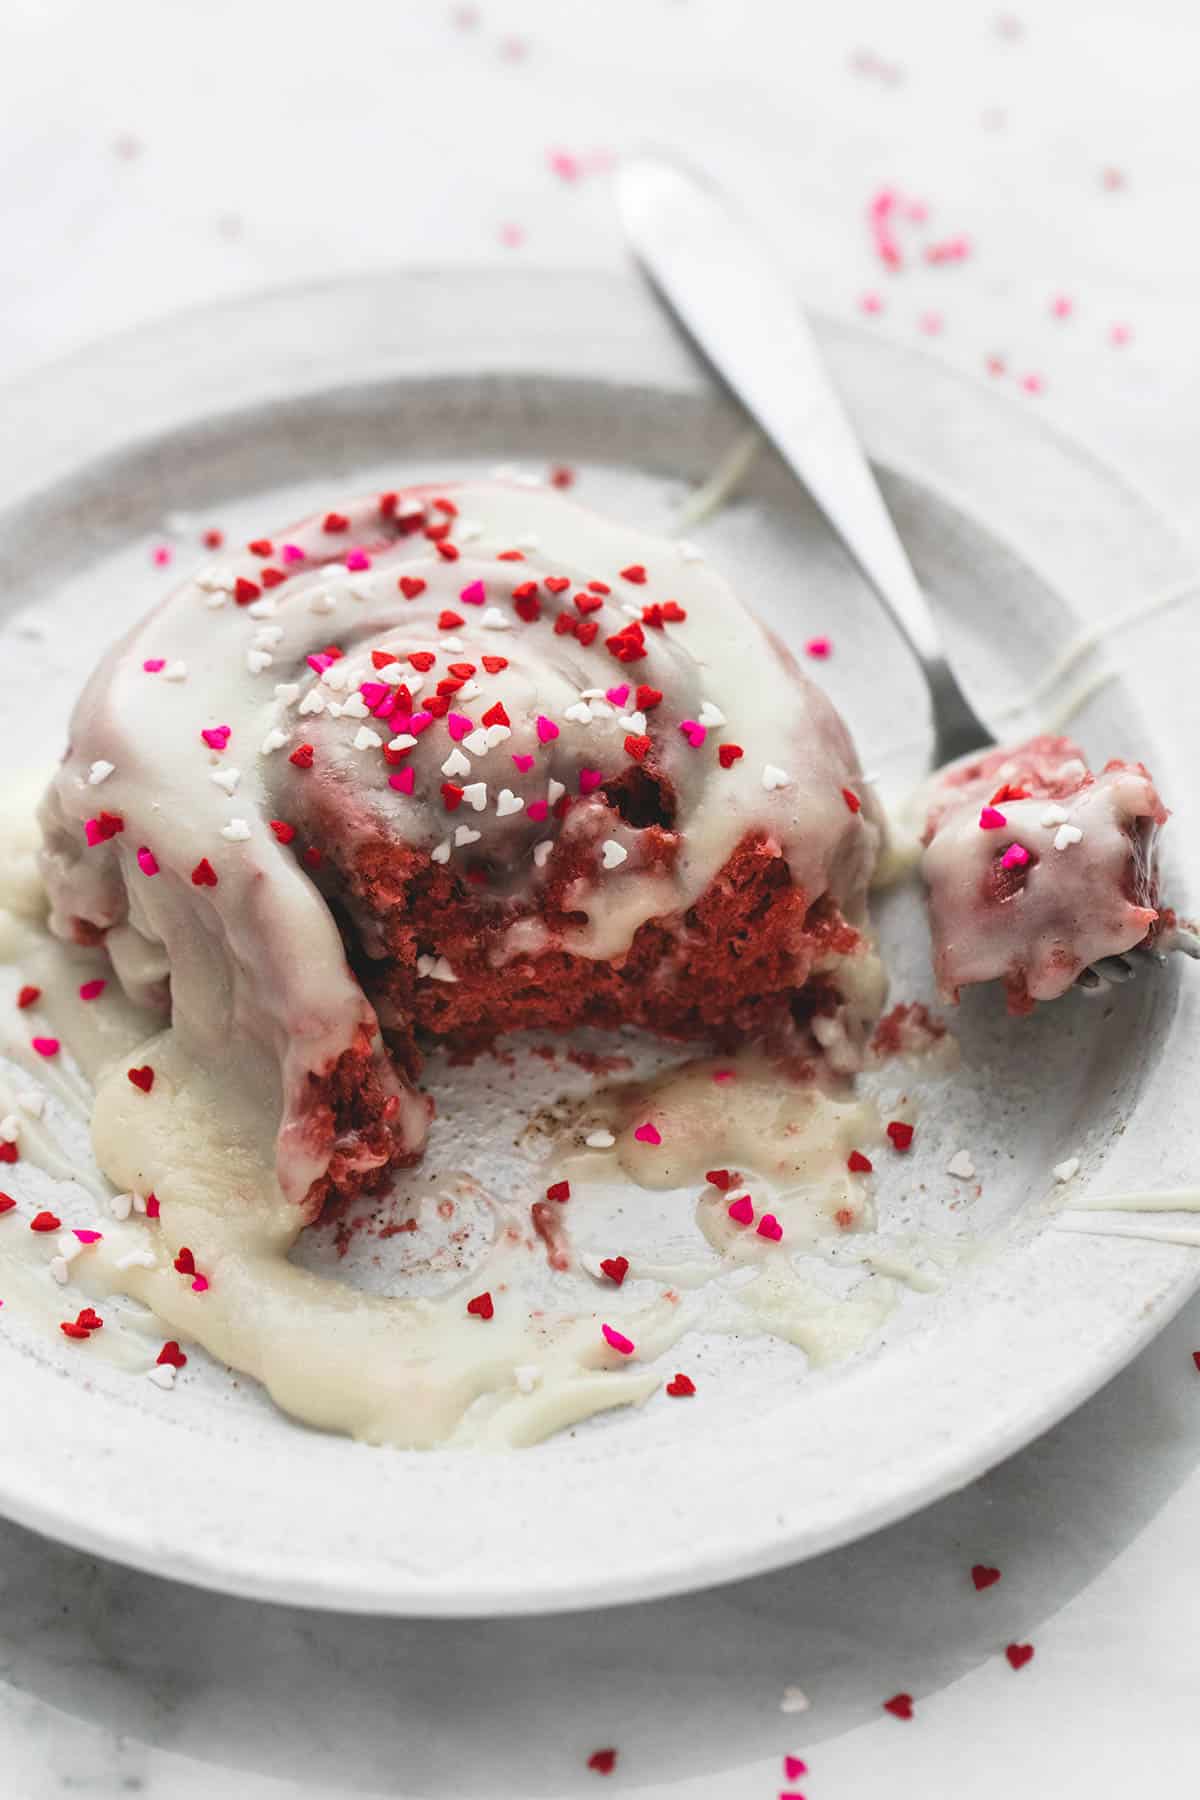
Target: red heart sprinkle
<point x="852" y="800"/>
<point x="185" y="1262"/>
<point x="381" y="658"/>
<point x="271" y="578"/>
<point x="616" y="1268"/>
<point x="74" y="1331"/>
<point x="1018" y="1654"/>
<point x="438" y="705"/>
<point x="481" y="1306"/>
<point x="7" y="1203"/>
<point x="442" y="505"/>
<point x="510" y="556"/>
<point x="496" y="715"/>
<point x="172" y="1354"/>
<point x="8" y="1152"/>
<point x="142" y="1078"/>
<point x="213" y="539"/>
<point x="983" y="1577"/>
<point x="153" y="1208"/>
<point x="635" y="573"/>
<point x="450" y="621"/>
<point x="423" y="660"/>
<point x="245" y="591"/>
<point x="334" y="522"/>
<point x="648" y="698"/>
<point x="410" y="586"/>
<point x="525" y="590"/>
<point x="557" y="584"/>
<point x="451" y="796"/>
<point x="900" y="1706"/>
<point x="45" y="1221"/>
<point x="858" y="1164"/>
<point x="588" y="603"/>
<point x="494" y="664"/>
<point x="204" y="875"/>
<point x="91" y="1321"/>
<point x="720" y="1178"/>
<point x="464" y="672"/>
<point x="728" y="754"/>
<point x="261" y="547"/>
<point x="283" y="831"/>
<point x="637" y="747"/>
<point x="681" y="1387"/>
<point x="587" y="631"/>
<point x="559" y="1190"/>
<point x="602" y="1761"/>
<point x="302" y="756"/>
<point x="900" y="1133"/>
<point x="1196" y="1358"/>
<point x="599" y="587"/>
<point x="447" y="552"/>
<point x="28" y="995"/>
<point x="529" y="610"/>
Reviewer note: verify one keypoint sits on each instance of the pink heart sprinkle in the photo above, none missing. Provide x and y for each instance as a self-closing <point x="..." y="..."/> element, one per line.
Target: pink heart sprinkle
<point x="162" y="555"/>
<point x="89" y="1237"/>
<point x="769" y="1227"/>
<point x="991" y="820"/>
<point x="420" y="721"/>
<point x="694" y="733"/>
<point x="292" y="553"/>
<point x="402" y="780"/>
<point x="458" y="725"/>
<point x="319" y="661"/>
<point x="793" y="1768"/>
<point x="1015" y="857"/>
<point x="200" y="1285"/>
<point x="45" y="1046"/>
<point x="92" y="832"/>
<point x="618" y="695"/>
<point x="217" y="736"/>
<point x="589" y="780"/>
<point x="92" y="990"/>
<point x="524" y="763"/>
<point x="546" y="729"/>
<point x="373" y="691"/>
<point x="617" y="1339"/>
<point x="385" y="708"/>
<point x="741" y="1211"/>
<point x="358" y="559"/>
<point x="648" y="1134"/>
<point x="147" y="861"/>
<point x="819" y="647"/>
<point x="153" y="664"/>
<point x="537" y="810"/>
<point x="473" y="594"/>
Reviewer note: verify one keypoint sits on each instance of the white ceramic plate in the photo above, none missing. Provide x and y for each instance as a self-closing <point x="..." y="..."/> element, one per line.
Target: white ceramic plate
<point x="243" y="414"/>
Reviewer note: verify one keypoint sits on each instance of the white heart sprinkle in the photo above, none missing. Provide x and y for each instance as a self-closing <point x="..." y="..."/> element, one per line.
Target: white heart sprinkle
<point x="541" y="853"/>
<point x="121" y="1205"/>
<point x="475" y="794"/>
<point x="258" y="660"/>
<point x="213" y="601"/>
<point x="494" y="620"/>
<point x="1066" y="835"/>
<point x="612" y="854"/>
<point x="634" y="721"/>
<point x="313" y="702"/>
<point x="425" y="964"/>
<point x="226" y="778"/>
<point x="1055" y="815"/>
<point x="404" y="740"/>
<point x="274" y="740"/>
<point x="600" y="1140"/>
<point x="69" y="1246"/>
<point x="497" y="734"/>
<point x="470" y="690"/>
<point x="688" y="551"/>
<point x="453" y="645"/>
<point x="215" y="581"/>
<point x="795" y="1700"/>
<point x="59" y="1270"/>
<point x="393" y="673"/>
<point x="441" y="971"/>
<point x="10" y="1128"/>
<point x="774" y="778"/>
<point x="508" y="803"/>
<point x="554" y="790"/>
<point x="287" y="691"/>
<point x="321" y="603"/>
<point x="1064" y="1171"/>
<point x="366" y="739"/>
<point x="464" y="835"/>
<point x="335" y="678"/>
<point x="175" y="671"/>
<point x="237" y="831"/>
<point x="99" y="771"/>
<point x="710" y="715"/>
<point x="960" y="1164"/>
<point x="456" y="763"/>
<point x="580" y="713"/>
<point x="265" y="608"/>
<point x="441" y="854"/>
<point x="335" y="710"/>
<point x="162" y="1375"/>
<point x="136" y="1259"/>
<point x="355" y="708"/>
<point x="601" y="709"/>
<point x="476" y="741"/>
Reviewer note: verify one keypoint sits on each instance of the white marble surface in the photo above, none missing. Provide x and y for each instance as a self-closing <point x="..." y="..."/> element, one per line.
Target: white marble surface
<point x="158" y="154"/>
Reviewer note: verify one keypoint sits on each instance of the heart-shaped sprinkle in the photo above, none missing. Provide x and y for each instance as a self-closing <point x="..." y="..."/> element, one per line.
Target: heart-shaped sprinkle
<point x="200" y="1284"/>
<point x="637" y="746"/>
<point x="557" y="584"/>
<point x="648" y="698"/>
<point x="648" y="1133"/>
<point x="617" y="1340"/>
<point x="458" y="725"/>
<point x="204" y="875"/>
<point x="474" y="594"/>
<point x="45" y="1221"/>
<point x="1066" y="835"/>
<point x="681" y="1386"/>
<point x="45" y="1046"/>
<point x="853" y="803"/>
<point x="983" y="1577"/>
<point x="147" y="862"/>
<point x="494" y="664"/>
<point x="547" y="730"/>
<point x="793" y="1768"/>
<point x="537" y="810"/>
<point x="92" y="990"/>
<point x="589" y="780"/>
<point x="615" y="1268"/>
<point x="88" y="1237"/>
<point x="618" y="695"/>
<point x="858" y="1164"/>
<point x="719" y="1178"/>
<point x="185" y="1262"/>
<point x="741" y="1210"/>
<point x="602" y="1762"/>
<point x="1016" y="856"/>
<point x="481" y="1307"/>
<point x="464" y="835"/>
<point x="8" y="1204"/>
<point x="28" y="995"/>
<point x="710" y="716"/>
<point x="773" y="777"/>
<point x="634" y="573"/>
<point x="693" y="731"/>
<point x="612" y="854"/>
<point x="142" y="1078"/>
<point x="171" y="1355"/>
<point x="89" y="1319"/>
<point x="1018" y="1654"/>
<point x="357" y="560"/>
<point x="217" y="736"/>
<point x="991" y="820"/>
<point x="900" y="1706"/>
<point x="523" y="762"/>
<point x="901" y="1133"/>
<point x="403" y="780"/>
<point x="819" y="648"/>
<point x="728" y="754"/>
<point x="508" y="803"/>
<point x="410" y="586"/>
<point x="769" y="1227"/>
<point x="559" y="1191"/>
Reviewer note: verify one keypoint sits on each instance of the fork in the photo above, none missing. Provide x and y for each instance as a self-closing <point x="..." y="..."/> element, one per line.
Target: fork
<point x="739" y="310"/>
